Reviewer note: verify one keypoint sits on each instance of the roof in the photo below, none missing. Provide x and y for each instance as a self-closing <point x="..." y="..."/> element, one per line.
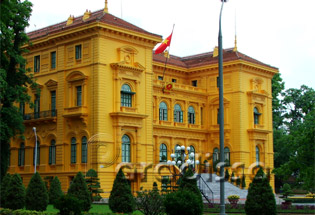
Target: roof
<point x="97" y="16"/>
<point x="206" y="59"/>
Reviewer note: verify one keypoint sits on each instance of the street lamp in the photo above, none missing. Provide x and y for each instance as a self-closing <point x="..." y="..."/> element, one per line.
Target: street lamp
<point x="221" y="116"/>
<point x="35" y="162"/>
<point x="179" y="158"/>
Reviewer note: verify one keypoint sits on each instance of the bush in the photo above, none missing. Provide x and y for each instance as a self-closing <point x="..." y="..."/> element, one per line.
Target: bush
<point x="150" y="202"/>
<point x="79" y="190"/>
<point x="121" y="199"/>
<point x="15" y="193"/>
<point x="260" y="198"/>
<point x="4" y="189"/>
<point x="183" y="202"/>
<point x="55" y="191"/>
<point x="93" y="184"/>
<point x="69" y="204"/>
<point x="36" y="194"/>
<point x="286" y="190"/>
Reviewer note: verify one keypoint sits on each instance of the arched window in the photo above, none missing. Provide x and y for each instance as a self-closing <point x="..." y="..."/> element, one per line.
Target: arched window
<point x="257" y="155"/>
<point x="215" y="155"/>
<point x="52" y="152"/>
<point x="38" y="154"/>
<point x="256" y="116"/>
<point x="126" y="96"/>
<point x="227" y="156"/>
<point x="192" y="150"/>
<point x="125" y="156"/>
<point x="163" y="111"/>
<point x="21" y="154"/>
<point x="84" y="150"/>
<point x="73" y="150"/>
<point x="163" y="153"/>
<point x="178" y="113"/>
<point x="191" y="115"/>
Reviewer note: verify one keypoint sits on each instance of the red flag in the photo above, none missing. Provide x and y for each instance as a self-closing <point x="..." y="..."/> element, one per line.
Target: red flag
<point x="164" y="45"/>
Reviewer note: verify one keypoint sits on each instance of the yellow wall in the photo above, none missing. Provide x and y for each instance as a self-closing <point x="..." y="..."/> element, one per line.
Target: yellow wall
<point x="111" y="58"/>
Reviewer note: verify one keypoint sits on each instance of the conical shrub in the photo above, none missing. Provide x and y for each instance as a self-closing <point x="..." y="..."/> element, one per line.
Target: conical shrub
<point x="55" y="191"/>
<point x="79" y="189"/>
<point x="260" y="197"/>
<point x="15" y="193"/>
<point x="4" y="189"/>
<point x="121" y="199"/>
<point x="36" y="194"/>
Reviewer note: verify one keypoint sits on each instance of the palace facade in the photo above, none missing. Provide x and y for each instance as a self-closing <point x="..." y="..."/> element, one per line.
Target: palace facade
<point x="105" y="101"/>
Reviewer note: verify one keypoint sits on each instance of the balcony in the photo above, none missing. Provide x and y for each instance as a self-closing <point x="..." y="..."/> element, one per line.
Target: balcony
<point x="73" y="112"/>
<point x="49" y="115"/>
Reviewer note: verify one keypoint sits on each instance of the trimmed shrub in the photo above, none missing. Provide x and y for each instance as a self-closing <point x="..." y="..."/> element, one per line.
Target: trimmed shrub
<point x="4" y="189"/>
<point x="286" y="190"/>
<point x="79" y="190"/>
<point x="55" y="191"/>
<point x="93" y="184"/>
<point x="121" y="199"/>
<point x="36" y="194"/>
<point x="68" y="204"/>
<point x="260" y="198"/>
<point x="243" y="182"/>
<point x="15" y="193"/>
<point x="150" y="202"/>
<point x="183" y="202"/>
<point x="232" y="178"/>
<point x="227" y="175"/>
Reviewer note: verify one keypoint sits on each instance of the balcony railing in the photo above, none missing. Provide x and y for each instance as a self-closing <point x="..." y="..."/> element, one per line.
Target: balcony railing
<point x="40" y="115"/>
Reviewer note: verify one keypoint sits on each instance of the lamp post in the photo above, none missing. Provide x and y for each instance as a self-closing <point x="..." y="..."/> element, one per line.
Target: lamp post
<point x="179" y="158"/>
<point x="221" y="116"/>
<point x="35" y="162"/>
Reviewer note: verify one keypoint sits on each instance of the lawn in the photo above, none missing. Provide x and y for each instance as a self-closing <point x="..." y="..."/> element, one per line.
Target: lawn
<point x="96" y="208"/>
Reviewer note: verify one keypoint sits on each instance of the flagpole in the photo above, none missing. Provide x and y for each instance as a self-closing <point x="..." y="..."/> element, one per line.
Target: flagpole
<point x="168" y="54"/>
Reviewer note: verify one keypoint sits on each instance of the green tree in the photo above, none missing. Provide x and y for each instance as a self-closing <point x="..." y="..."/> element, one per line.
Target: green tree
<point x="55" y="191"/>
<point x="36" y="194"/>
<point x="15" y="193"/>
<point x="260" y="198"/>
<point x="14" y="78"/>
<point x="294" y="151"/>
<point x="121" y="199"/>
<point x="4" y="189"/>
<point x="93" y="185"/>
<point x="227" y="175"/>
<point x="79" y="190"/>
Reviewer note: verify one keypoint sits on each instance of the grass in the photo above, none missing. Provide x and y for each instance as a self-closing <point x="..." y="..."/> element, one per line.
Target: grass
<point x="96" y="208"/>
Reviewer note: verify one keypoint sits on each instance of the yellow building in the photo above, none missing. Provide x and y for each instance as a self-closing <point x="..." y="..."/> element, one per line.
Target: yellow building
<point x="105" y="102"/>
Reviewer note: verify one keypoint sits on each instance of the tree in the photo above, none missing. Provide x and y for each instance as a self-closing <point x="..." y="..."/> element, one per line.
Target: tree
<point x="69" y="204"/>
<point x="4" y="189"/>
<point x="79" y="190"/>
<point x="121" y="199"/>
<point x="15" y="193"/>
<point x="36" y="194"/>
<point x="227" y="175"/>
<point x="55" y="191"/>
<point x="93" y="185"/>
<point x="294" y="151"/>
<point x="14" y="78"/>
<point x="277" y="107"/>
<point x="260" y="198"/>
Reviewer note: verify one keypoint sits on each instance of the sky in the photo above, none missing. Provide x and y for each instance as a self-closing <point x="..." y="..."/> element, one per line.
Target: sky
<point x="280" y="33"/>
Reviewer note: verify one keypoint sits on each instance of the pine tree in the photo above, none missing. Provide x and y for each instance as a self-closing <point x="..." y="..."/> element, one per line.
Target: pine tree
<point x="79" y="190"/>
<point x="55" y="191"/>
<point x="16" y="192"/>
<point x="4" y="189"/>
<point x="93" y="184"/>
<point x="36" y="194"/>
<point x="243" y="182"/>
<point x="260" y="198"/>
<point x="232" y="178"/>
<point x="121" y="199"/>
